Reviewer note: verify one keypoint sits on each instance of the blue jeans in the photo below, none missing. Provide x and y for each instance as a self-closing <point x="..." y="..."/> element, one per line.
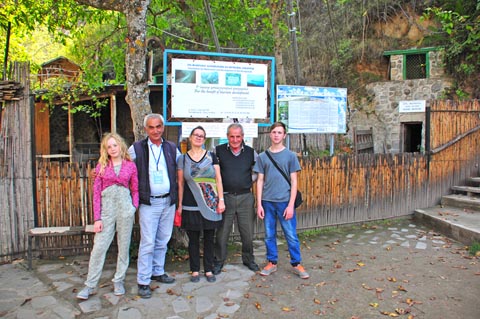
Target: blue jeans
<point x="156" y="226"/>
<point x="274" y="211"/>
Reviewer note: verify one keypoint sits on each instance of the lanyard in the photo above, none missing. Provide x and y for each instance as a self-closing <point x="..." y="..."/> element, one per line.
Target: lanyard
<point x="157" y="160"/>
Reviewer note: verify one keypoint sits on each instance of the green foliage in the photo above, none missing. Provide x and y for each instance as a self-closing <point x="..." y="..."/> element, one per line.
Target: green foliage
<point x="241" y="27"/>
<point x="474" y="249"/>
<point x="345" y="54"/>
<point x="100" y="49"/>
<point x="460" y="35"/>
<point x="70" y="94"/>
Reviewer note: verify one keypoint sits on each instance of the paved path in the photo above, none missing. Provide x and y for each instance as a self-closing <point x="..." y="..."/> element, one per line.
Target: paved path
<point x="395" y="267"/>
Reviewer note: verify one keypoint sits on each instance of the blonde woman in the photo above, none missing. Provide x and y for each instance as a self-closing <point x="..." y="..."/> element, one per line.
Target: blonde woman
<point x="115" y="200"/>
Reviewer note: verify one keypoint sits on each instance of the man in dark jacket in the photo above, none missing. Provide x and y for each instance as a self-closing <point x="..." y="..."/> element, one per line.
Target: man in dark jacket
<point x="156" y="161"/>
<point x="236" y="162"/>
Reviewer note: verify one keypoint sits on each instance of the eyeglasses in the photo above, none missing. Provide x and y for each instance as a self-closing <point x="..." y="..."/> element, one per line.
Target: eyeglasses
<point x="199" y="136"/>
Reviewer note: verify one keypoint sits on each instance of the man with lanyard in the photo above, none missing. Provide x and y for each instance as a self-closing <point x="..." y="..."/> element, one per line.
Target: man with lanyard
<point x="156" y="161"/>
<point x="236" y="162"/>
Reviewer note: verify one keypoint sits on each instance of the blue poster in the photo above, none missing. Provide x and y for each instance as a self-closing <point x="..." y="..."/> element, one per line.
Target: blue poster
<point x="309" y="109"/>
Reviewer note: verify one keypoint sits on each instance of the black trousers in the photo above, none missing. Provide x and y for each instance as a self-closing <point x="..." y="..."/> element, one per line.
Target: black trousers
<point x="194" y="249"/>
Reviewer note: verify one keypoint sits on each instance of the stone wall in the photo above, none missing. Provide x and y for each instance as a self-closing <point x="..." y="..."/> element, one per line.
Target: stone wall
<point x="380" y="109"/>
<point x="382" y="112"/>
<point x="435" y="64"/>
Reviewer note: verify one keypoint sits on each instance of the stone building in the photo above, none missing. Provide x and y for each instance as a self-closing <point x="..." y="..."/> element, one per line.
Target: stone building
<point x="415" y="75"/>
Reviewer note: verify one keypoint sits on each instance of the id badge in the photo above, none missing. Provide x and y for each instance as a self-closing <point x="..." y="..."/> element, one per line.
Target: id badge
<point x="158" y="177"/>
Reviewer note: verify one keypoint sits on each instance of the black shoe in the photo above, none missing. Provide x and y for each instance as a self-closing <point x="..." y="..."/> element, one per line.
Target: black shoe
<point x="211" y="278"/>
<point x="217" y="269"/>
<point x="252" y="266"/>
<point x="144" y="291"/>
<point x="195" y="278"/>
<point x="165" y="279"/>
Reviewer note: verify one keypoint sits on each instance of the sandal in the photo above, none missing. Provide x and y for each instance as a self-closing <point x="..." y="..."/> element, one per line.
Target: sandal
<point x="210" y="277"/>
<point x="195" y="278"/>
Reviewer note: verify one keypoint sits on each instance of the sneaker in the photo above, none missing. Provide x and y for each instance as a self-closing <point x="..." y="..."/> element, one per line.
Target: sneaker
<point x="300" y="271"/>
<point x="85" y="293"/>
<point x="144" y="291"/>
<point x="165" y="279"/>
<point x="269" y="269"/>
<point x="118" y="288"/>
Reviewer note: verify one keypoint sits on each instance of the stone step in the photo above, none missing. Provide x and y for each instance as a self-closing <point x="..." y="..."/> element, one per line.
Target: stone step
<point x="467" y="189"/>
<point x="461" y="201"/>
<point x="474" y="179"/>
<point x="462" y="225"/>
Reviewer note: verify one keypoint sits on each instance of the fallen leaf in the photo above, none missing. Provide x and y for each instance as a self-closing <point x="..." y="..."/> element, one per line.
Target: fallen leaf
<point x="402" y="311"/>
<point x="321" y="284"/>
<point x="373" y="304"/>
<point x="401" y="288"/>
<point x="247" y="296"/>
<point x="332" y="301"/>
<point x="360" y="264"/>
<point x="390" y="314"/>
<point x="364" y="286"/>
<point x="25" y="301"/>
<point x="378" y="292"/>
<point x="317" y="301"/>
<point x="286" y="309"/>
<point x="229" y="304"/>
<point x="411" y="302"/>
<point x="460" y="267"/>
<point x="392" y="279"/>
<point x="258" y="306"/>
<point x="170" y="292"/>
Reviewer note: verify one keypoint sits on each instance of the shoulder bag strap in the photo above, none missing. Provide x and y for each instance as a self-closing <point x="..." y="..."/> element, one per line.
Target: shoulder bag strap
<point x="276" y="165"/>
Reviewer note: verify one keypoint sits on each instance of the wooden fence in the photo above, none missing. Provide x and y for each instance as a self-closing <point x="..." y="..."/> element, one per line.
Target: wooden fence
<point x="338" y="190"/>
<point x="16" y="166"/>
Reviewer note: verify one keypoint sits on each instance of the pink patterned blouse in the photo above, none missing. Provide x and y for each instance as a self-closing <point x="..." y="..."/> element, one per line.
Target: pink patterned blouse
<point x="127" y="177"/>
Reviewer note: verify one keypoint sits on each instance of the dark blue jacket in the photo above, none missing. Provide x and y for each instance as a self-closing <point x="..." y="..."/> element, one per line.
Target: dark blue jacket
<point x="142" y="157"/>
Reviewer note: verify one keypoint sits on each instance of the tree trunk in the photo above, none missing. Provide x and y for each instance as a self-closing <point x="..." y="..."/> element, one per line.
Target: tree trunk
<point x="276" y="9"/>
<point x="138" y="91"/>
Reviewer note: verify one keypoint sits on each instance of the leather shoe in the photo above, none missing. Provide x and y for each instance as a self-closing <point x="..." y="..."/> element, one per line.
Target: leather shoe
<point x="165" y="279"/>
<point x="252" y="266"/>
<point x="144" y="291"/>
<point x="217" y="269"/>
